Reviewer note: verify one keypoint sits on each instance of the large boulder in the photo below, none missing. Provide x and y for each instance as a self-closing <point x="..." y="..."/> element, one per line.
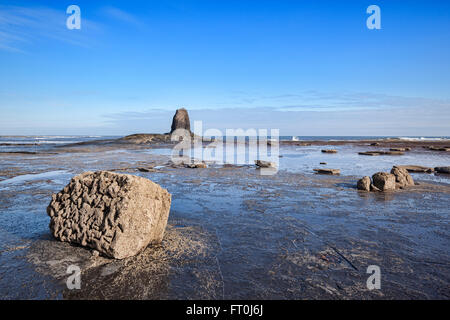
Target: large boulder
<point x="384" y="181"/>
<point x="116" y="214"/>
<point x="181" y="121"/>
<point x="402" y="177"/>
<point x="364" y="184"/>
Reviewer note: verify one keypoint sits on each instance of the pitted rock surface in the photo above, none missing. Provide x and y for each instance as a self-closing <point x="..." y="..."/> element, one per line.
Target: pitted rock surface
<point x="116" y="214"/>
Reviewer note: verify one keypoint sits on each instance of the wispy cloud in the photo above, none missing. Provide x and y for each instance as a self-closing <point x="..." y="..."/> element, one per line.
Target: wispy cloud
<point x="22" y="27"/>
<point x="325" y="101"/>
<point x="368" y="114"/>
<point x="122" y="16"/>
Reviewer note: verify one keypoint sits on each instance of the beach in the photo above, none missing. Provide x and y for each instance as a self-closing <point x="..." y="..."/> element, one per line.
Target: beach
<point x="232" y="232"/>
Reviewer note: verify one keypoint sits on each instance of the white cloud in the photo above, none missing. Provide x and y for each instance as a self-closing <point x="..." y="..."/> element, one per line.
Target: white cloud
<point x="23" y="27"/>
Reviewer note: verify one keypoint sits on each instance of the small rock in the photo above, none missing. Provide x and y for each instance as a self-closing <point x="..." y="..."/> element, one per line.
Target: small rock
<point x="328" y="171"/>
<point x="400" y="149"/>
<point x="364" y="184"/>
<point x="329" y="151"/>
<point x="265" y="164"/>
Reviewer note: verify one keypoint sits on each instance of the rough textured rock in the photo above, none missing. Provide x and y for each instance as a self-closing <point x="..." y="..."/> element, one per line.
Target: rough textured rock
<point x="115" y="214"/>
<point x="364" y="183"/>
<point x="402" y="177"/>
<point x="181" y="120"/>
<point x="384" y="181"/>
<point x="442" y="169"/>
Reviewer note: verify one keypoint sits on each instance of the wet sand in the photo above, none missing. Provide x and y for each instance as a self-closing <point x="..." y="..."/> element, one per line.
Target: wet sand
<point x="232" y="234"/>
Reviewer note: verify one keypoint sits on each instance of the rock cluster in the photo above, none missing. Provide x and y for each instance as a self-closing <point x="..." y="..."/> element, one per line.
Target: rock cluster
<point x="399" y="178"/>
<point x="181" y="121"/>
<point x="116" y="214"/>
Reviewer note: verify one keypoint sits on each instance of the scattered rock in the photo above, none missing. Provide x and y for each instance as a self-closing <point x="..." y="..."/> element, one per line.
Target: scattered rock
<point x="375" y="144"/>
<point x="181" y="120"/>
<point x="400" y="149"/>
<point x="442" y="170"/>
<point x="364" y="183"/>
<point x="384" y="181"/>
<point x="329" y="151"/>
<point x="328" y="171"/>
<point x="438" y="148"/>
<point x="265" y="164"/>
<point x="402" y="177"/>
<point x="378" y="153"/>
<point x="370" y="153"/>
<point x="417" y="169"/>
<point x="115" y="214"/>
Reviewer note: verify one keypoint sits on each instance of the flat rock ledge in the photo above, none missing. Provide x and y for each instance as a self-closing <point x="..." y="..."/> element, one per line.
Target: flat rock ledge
<point x="116" y="214"/>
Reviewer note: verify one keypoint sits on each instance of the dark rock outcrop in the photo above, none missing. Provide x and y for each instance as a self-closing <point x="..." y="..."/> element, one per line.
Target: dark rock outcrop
<point x="265" y="164"/>
<point x="442" y="170"/>
<point x="181" y="120"/>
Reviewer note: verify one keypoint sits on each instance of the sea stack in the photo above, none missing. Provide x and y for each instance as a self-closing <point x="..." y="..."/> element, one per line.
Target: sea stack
<point x="181" y="120"/>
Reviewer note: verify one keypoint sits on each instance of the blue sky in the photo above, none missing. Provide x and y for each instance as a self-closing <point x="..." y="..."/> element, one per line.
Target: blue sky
<point x="304" y="67"/>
